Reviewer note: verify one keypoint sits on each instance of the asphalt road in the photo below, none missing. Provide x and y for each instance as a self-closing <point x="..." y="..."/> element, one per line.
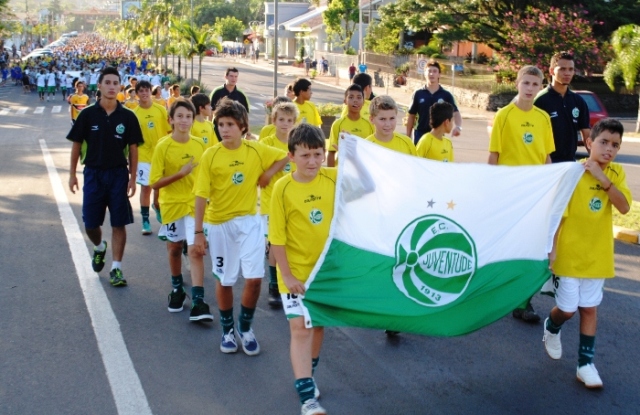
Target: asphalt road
<point x="53" y="319"/>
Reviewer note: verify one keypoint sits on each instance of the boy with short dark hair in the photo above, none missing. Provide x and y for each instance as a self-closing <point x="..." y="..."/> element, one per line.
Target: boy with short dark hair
<point x="584" y="252"/>
<point x="284" y="117"/>
<point x="174" y="170"/>
<point x="175" y="94"/>
<point x="434" y="145"/>
<point x="308" y="111"/>
<point x="298" y="231"/>
<point x="232" y="228"/>
<point x="202" y="125"/>
<point x="364" y="81"/>
<point x="383" y="115"/>
<point x="352" y="123"/>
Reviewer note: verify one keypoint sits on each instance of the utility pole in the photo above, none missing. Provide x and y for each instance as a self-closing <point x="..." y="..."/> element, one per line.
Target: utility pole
<point x="275" y="48"/>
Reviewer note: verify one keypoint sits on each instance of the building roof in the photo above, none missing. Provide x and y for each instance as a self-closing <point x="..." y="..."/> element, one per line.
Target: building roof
<point x="305" y="22"/>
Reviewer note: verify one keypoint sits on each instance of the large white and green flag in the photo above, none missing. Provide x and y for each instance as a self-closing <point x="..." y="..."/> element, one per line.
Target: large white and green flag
<point x="434" y="248"/>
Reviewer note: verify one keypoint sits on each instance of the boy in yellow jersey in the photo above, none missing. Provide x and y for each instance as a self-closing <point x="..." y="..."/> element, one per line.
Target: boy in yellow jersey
<point x="77" y="101"/>
<point x="284" y="117"/>
<point x="434" y="145"/>
<point x="154" y="125"/>
<point x="364" y="81"/>
<point x="298" y="230"/>
<point x="229" y="174"/>
<point x="352" y="123"/>
<point x="522" y="135"/>
<point x="174" y="170"/>
<point x="583" y="253"/>
<point x="384" y="116"/>
<point x="175" y="94"/>
<point x="157" y="96"/>
<point x="270" y="129"/>
<point x="202" y="125"/>
<point x="308" y="112"/>
<point x="132" y="101"/>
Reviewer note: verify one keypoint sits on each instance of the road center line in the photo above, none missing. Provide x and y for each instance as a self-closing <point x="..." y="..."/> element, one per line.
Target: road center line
<point x="125" y="385"/>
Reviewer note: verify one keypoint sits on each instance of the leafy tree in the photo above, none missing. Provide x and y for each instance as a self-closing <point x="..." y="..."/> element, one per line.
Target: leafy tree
<point x="200" y="41"/>
<point x="209" y="13"/>
<point x="341" y="18"/>
<point x="229" y="28"/>
<point x="535" y="36"/>
<point x="382" y="38"/>
<point x="625" y="43"/>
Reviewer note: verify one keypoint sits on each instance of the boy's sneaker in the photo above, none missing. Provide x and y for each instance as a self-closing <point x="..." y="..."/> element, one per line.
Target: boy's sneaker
<point x="97" y="262"/>
<point x="528" y="314"/>
<point x="588" y="374"/>
<point x="200" y="312"/>
<point x="228" y="343"/>
<point x="176" y="300"/>
<point x="275" y="300"/>
<point x="316" y="391"/>
<point x="158" y="215"/>
<point x="146" y="227"/>
<point x="249" y="343"/>
<point x="312" y="407"/>
<point x="552" y="343"/>
<point x="116" y="278"/>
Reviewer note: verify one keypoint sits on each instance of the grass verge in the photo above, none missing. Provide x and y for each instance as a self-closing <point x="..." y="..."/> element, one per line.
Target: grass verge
<point x="631" y="220"/>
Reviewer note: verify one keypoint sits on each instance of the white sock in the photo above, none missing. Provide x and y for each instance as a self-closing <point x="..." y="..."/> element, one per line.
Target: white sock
<point x="100" y="247"/>
<point x="116" y="264"/>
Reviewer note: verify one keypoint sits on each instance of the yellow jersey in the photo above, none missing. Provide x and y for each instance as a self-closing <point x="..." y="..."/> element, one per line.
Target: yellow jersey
<point x="434" y="148"/>
<point x="204" y="130"/>
<point x="361" y="127"/>
<point x="266" y="131"/>
<point x="290" y="167"/>
<point x="521" y="137"/>
<point x="120" y="97"/>
<point x="160" y="102"/>
<point x="300" y="217"/>
<point x="78" y="103"/>
<point x="154" y="125"/>
<point x="229" y="179"/>
<point x="308" y="114"/>
<point x="131" y="104"/>
<point x="585" y="239"/>
<point x="170" y="101"/>
<point x="399" y="142"/>
<point x="177" y="199"/>
<point x="364" y="111"/>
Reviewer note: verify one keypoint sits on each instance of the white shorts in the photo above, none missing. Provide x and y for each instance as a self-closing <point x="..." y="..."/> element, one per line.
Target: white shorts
<point x="291" y="305"/>
<point x="143" y="173"/>
<point x="578" y="292"/>
<point x="236" y="248"/>
<point x="265" y="225"/>
<point x="180" y="230"/>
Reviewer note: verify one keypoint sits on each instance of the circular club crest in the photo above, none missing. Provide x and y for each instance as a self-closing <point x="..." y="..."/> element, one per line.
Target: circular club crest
<point x="287" y="168"/>
<point x="237" y="178"/>
<point x="315" y="216"/>
<point x="575" y="112"/>
<point x="120" y="129"/>
<point x="527" y="138"/>
<point x="595" y="204"/>
<point x="435" y="261"/>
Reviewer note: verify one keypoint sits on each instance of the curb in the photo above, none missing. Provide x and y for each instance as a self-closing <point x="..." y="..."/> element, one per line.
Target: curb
<point x="626" y="235"/>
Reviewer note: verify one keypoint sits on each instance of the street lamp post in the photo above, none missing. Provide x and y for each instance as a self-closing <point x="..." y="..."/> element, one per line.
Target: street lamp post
<point x="275" y="48"/>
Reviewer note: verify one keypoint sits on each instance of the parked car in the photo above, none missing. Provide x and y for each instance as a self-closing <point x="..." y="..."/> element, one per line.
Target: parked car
<point x="37" y="53"/>
<point x="597" y="111"/>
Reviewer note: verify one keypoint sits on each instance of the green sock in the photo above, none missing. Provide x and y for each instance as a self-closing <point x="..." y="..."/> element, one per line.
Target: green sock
<point x="305" y="388"/>
<point x="245" y="318"/>
<point x="176" y="282"/>
<point x="553" y="327"/>
<point x="587" y="349"/>
<point x="144" y="210"/>
<point x="197" y="294"/>
<point x="226" y="320"/>
<point x="314" y="364"/>
<point x="273" y="277"/>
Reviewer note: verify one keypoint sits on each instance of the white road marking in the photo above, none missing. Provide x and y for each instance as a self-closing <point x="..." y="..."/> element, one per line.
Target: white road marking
<point x="22" y="110"/>
<point x="125" y="385"/>
<point x="39" y="110"/>
<point x="56" y="109"/>
<point x="5" y="111"/>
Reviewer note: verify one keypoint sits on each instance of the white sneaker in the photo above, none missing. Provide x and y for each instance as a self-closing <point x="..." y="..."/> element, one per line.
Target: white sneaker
<point x="312" y="407"/>
<point x="588" y="374"/>
<point x="552" y="343"/>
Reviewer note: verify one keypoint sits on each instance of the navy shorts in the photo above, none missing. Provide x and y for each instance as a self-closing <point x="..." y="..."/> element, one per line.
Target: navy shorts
<point x="104" y="189"/>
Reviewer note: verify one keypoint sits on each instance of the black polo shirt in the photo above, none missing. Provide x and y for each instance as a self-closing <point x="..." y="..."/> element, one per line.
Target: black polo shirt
<point x="569" y="115"/>
<point x="105" y="138"/>
<point x="236" y="95"/>
<point x="422" y="101"/>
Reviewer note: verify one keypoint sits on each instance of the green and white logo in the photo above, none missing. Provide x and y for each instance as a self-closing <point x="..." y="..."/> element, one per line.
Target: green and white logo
<point x="120" y="129"/>
<point x="595" y="204"/>
<point x="206" y="140"/>
<point x="435" y="261"/>
<point x="150" y="125"/>
<point x="237" y="178"/>
<point x="287" y="168"/>
<point x="315" y="216"/>
<point x="575" y="112"/>
<point x="527" y="138"/>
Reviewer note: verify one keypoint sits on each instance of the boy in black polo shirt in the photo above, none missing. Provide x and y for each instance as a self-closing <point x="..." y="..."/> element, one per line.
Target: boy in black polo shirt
<point x="568" y="111"/>
<point x="424" y="98"/>
<point x="104" y="134"/>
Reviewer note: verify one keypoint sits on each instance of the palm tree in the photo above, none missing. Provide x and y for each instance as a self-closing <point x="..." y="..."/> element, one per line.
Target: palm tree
<point x="200" y="40"/>
<point x="626" y="63"/>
